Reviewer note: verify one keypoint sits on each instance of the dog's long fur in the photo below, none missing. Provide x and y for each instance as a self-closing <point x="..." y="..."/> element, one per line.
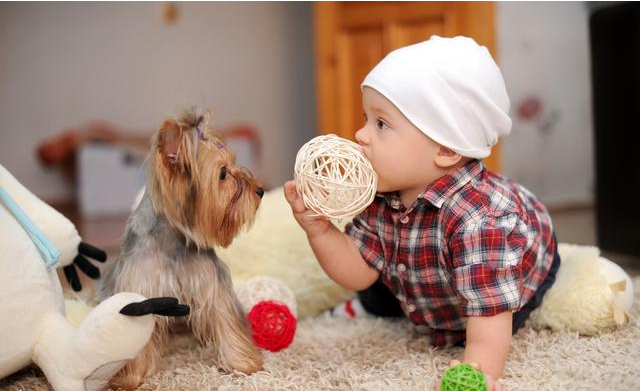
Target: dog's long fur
<point x="189" y="206"/>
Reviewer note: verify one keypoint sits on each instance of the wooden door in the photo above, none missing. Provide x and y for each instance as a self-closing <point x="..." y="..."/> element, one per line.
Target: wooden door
<point x="351" y="37"/>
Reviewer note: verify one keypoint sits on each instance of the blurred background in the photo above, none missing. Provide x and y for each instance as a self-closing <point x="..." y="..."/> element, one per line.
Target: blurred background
<point x="83" y="86"/>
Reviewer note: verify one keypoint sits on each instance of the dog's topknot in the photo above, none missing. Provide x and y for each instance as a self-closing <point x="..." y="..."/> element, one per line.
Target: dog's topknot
<point x="195" y="122"/>
<point x="194" y="118"/>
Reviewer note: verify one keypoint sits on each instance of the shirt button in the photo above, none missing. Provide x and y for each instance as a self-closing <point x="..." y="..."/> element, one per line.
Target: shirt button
<point x="404" y="220"/>
<point x="401" y="267"/>
<point x="411" y="307"/>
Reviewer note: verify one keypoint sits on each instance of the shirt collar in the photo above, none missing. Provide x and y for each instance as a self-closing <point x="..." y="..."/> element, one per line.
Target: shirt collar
<point x="438" y="191"/>
<point x="442" y="188"/>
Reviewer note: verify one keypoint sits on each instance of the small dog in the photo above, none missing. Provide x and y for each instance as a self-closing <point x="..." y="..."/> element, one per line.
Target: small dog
<point x="195" y="198"/>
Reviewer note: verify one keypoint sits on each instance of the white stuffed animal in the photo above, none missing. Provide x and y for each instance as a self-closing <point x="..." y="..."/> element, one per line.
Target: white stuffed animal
<point x="33" y="327"/>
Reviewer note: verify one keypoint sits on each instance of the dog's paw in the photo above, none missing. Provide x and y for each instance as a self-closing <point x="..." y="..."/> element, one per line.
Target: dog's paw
<point x="248" y="364"/>
<point x="128" y="381"/>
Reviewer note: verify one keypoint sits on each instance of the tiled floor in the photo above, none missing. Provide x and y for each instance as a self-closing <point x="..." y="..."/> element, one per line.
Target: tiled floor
<point x="578" y="226"/>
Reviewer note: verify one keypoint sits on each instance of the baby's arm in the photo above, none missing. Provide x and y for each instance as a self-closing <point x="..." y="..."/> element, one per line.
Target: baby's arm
<point x="488" y="342"/>
<point x="489" y="290"/>
<point x="335" y="251"/>
<point x="341" y="260"/>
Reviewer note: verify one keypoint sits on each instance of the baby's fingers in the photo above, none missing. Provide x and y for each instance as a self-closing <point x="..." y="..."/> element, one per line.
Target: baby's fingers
<point x="290" y="191"/>
<point x="492" y="385"/>
<point x="291" y="194"/>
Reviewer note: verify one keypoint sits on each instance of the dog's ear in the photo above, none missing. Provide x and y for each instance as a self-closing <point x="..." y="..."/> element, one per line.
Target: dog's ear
<point x="170" y="138"/>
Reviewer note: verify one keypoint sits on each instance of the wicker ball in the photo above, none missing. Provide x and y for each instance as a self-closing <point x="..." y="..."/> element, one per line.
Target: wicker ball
<point x="273" y="326"/>
<point x="263" y="288"/>
<point x="334" y="177"/>
<point x="463" y="377"/>
<point x="270" y="306"/>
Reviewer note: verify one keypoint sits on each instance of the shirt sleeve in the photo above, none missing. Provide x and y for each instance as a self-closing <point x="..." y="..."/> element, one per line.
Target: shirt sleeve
<point x="487" y="272"/>
<point x="364" y="233"/>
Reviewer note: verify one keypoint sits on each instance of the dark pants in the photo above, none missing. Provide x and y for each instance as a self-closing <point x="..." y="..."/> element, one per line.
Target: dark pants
<point x="378" y="299"/>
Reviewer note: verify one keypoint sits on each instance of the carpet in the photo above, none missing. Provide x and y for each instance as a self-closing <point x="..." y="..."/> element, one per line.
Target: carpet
<point x="379" y="354"/>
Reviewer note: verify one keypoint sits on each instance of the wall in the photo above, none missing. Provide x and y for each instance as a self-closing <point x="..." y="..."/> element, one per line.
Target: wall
<point x="65" y="63"/>
<point x="543" y="49"/>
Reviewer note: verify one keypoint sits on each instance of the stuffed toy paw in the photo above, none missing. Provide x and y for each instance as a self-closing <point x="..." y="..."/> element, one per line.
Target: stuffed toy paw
<point x="86" y="357"/>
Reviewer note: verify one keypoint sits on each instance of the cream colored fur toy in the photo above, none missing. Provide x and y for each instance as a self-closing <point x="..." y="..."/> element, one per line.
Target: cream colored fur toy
<point x="277" y="247"/>
<point x="591" y="294"/>
<point x="33" y="327"/>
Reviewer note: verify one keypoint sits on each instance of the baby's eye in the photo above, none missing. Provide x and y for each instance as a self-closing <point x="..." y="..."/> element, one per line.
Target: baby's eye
<point x="223" y="173"/>
<point x="382" y="125"/>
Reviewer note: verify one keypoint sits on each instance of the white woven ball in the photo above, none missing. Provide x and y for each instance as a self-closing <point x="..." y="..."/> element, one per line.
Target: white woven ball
<point x="264" y="288"/>
<point x="334" y="177"/>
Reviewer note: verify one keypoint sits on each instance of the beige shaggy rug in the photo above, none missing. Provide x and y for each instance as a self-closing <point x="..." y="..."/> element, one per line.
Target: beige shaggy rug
<point x="377" y="354"/>
<point x="370" y="354"/>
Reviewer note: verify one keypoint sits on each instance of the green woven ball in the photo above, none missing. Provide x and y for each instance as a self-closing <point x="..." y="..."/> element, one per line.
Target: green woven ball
<point x="463" y="377"/>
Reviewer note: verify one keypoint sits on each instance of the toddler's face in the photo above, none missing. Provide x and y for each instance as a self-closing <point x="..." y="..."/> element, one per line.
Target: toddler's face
<point x="401" y="155"/>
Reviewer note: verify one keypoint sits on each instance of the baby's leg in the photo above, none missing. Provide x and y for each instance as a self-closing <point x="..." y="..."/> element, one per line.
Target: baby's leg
<point x="377" y="300"/>
<point x="380" y="301"/>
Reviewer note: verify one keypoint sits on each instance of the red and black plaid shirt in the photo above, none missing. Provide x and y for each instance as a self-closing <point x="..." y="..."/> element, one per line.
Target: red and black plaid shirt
<point x="473" y="244"/>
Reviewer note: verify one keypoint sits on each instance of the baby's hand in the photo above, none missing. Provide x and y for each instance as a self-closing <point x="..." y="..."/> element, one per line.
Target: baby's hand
<point x="492" y="385"/>
<point x="310" y="222"/>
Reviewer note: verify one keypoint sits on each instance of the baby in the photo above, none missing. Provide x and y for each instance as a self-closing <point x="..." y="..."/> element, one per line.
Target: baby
<point x="446" y="242"/>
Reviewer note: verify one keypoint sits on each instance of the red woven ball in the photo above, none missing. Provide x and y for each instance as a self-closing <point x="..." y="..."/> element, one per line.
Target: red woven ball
<point x="272" y="325"/>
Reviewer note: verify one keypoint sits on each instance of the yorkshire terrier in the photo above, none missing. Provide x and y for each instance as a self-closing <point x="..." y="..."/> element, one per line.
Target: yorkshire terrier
<point x="196" y="198"/>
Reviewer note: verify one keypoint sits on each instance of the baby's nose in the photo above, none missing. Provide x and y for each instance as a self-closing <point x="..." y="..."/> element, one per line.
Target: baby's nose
<point x="360" y="136"/>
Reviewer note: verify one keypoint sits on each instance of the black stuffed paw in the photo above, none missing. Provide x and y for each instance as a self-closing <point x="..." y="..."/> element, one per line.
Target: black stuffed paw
<point x="166" y="306"/>
<point x="84" y="249"/>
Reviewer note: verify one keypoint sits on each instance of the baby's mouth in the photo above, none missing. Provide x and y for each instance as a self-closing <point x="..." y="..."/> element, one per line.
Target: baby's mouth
<point x="366" y="154"/>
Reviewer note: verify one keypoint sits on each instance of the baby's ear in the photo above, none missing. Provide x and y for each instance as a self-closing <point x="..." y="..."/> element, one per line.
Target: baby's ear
<point x="169" y="139"/>
<point x="446" y="158"/>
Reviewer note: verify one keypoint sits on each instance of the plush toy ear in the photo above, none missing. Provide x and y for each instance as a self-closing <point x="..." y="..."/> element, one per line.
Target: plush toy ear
<point x="170" y="136"/>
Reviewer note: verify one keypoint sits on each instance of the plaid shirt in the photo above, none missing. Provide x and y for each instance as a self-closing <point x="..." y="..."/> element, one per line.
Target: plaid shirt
<point x="473" y="244"/>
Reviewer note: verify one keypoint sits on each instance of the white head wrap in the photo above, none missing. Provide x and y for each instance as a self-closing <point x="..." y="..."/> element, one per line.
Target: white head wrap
<point x="450" y="89"/>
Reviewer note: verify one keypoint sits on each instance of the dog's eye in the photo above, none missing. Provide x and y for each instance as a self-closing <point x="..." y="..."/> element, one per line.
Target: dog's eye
<point x="223" y="173"/>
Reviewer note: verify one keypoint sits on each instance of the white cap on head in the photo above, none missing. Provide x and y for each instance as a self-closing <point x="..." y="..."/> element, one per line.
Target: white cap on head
<point x="450" y="89"/>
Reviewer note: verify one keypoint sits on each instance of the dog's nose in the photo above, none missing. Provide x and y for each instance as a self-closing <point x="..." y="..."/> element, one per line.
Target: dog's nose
<point x="260" y="192"/>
